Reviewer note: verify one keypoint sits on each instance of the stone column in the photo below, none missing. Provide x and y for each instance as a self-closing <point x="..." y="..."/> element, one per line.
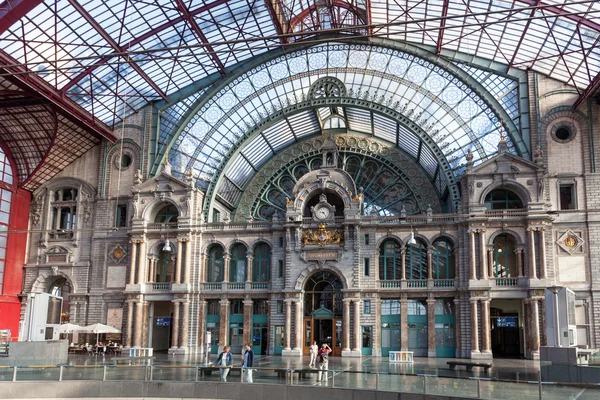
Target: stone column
<point x="201" y="324"/>
<point x="185" y="325"/>
<point x="175" y="332"/>
<point x="456" y="265"/>
<point x="298" y="327"/>
<point x="142" y="262"/>
<point x="457" y="327"/>
<point x="482" y="255"/>
<point x="431" y="345"/>
<point x="139" y="323"/>
<point x="188" y="261"/>
<point x="129" y="337"/>
<point x="226" y="261"/>
<point x="534" y="329"/>
<point x="224" y="323"/>
<point x="288" y="324"/>
<point x="486" y="333"/>
<point x="133" y="261"/>
<point x="145" y="325"/>
<point x="404" y="324"/>
<point x="376" y="339"/>
<point x="472" y="264"/>
<point x="402" y="263"/>
<point x="346" y="325"/>
<point x="429" y="264"/>
<point x="178" y="261"/>
<point x="249" y="261"/>
<point x="519" y="253"/>
<point x="203" y="268"/>
<point x="248" y="321"/>
<point x="151" y="263"/>
<point x="532" y="271"/>
<point x="474" y="328"/>
<point x="357" y="333"/>
<point x="490" y="263"/>
<point x="542" y="254"/>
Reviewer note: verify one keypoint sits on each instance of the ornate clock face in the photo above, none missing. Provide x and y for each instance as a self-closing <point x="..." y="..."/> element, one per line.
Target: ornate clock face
<point x="322" y="213"/>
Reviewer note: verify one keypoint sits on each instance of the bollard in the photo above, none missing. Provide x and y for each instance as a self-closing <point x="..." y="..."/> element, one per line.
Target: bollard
<point x="104" y="373"/>
<point x="151" y="372"/>
<point x="15" y="374"/>
<point x="60" y="373"/>
<point x="540" y="383"/>
<point x="196" y="377"/>
<point x="242" y="375"/>
<point x="425" y="384"/>
<point x="333" y="379"/>
<point x="377" y="381"/>
<point x="478" y="388"/>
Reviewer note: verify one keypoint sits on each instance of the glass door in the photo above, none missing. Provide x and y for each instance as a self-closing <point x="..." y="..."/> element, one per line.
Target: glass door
<point x="308" y="335"/>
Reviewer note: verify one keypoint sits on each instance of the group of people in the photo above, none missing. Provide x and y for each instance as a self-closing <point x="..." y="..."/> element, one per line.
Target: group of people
<point x="225" y="361"/>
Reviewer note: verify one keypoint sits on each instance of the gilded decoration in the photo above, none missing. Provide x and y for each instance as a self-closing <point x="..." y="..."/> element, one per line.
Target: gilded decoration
<point x="322" y="236"/>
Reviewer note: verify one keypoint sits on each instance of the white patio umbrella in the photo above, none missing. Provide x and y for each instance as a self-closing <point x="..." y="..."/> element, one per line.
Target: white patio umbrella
<point x="69" y="328"/>
<point x="98" y="329"/>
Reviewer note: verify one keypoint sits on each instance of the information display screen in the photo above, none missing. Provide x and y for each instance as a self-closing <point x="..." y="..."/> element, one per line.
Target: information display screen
<point x="163" y="321"/>
<point x="506" y="322"/>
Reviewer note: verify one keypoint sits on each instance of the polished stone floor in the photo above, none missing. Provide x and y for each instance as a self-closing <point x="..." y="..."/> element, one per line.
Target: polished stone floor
<point x="507" y="379"/>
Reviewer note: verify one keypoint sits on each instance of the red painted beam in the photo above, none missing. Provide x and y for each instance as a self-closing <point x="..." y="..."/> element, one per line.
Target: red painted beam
<point x="135" y="41"/>
<point x="12" y="11"/>
<point x="339" y="3"/>
<point x="31" y="82"/>
<point x="438" y="46"/>
<point x="589" y="90"/>
<point x="190" y="19"/>
<point x="90" y="20"/>
<point x="276" y="23"/>
<point x="565" y="14"/>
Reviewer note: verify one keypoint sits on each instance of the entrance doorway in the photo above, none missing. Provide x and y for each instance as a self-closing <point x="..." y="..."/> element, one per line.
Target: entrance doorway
<point x="323" y="309"/>
<point x="506" y="328"/>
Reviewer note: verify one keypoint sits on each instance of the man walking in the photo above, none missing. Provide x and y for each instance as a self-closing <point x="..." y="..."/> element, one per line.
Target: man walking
<point x="323" y="360"/>
<point x="248" y="363"/>
<point x="224" y="361"/>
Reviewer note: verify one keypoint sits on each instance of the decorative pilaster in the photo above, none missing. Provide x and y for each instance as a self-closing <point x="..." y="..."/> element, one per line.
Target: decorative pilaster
<point x="532" y="271"/>
<point x="431" y="346"/>
<point x="178" y="261"/>
<point x="357" y="333"/>
<point x="474" y="329"/>
<point x="346" y="325"/>
<point x="472" y="263"/>
<point x="456" y="265"/>
<point x="288" y="324"/>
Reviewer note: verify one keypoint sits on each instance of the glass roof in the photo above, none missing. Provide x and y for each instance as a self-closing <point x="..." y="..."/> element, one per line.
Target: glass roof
<point x="114" y="56"/>
<point x="452" y="113"/>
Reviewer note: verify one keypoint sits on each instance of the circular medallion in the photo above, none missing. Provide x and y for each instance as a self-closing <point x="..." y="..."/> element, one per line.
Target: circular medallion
<point x="570" y="241"/>
<point x="118" y="253"/>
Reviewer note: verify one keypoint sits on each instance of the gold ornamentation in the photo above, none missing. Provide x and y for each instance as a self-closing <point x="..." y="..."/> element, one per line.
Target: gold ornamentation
<point x="479" y="293"/>
<point x="321" y="236"/>
<point x="118" y="253"/>
<point x="358" y="197"/>
<point x="570" y="241"/>
<point x="289" y="201"/>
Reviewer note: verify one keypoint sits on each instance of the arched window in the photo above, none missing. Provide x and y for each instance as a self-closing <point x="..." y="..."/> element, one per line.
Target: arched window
<point x="443" y="260"/>
<point x="165" y="267"/>
<point x="261" y="266"/>
<point x="502" y="199"/>
<point x="505" y="263"/>
<point x="390" y="261"/>
<point x="214" y="271"/>
<point x="6" y="180"/>
<point x="323" y="290"/>
<point x="64" y="213"/>
<point x="416" y="260"/>
<point x="62" y="288"/>
<point x="237" y="263"/>
<point x="167" y="214"/>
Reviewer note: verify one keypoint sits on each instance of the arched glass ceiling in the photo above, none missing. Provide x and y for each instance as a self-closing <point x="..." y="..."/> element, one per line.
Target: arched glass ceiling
<point x="114" y="56"/>
<point x="456" y="117"/>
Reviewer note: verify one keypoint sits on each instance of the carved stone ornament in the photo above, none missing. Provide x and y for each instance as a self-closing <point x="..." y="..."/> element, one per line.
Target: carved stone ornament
<point x="117" y="254"/>
<point x="322" y="237"/>
<point x="138" y="177"/>
<point x="36" y="209"/>
<point x="570" y="242"/>
<point x="87" y="209"/>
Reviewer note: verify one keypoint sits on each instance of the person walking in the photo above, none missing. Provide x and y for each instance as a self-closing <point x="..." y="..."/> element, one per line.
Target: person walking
<point x="323" y="360"/>
<point x="248" y="363"/>
<point x="224" y="361"/>
<point x="314" y="350"/>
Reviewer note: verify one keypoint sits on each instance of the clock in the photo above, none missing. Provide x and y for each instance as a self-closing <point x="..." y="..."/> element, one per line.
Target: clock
<point x="322" y="213"/>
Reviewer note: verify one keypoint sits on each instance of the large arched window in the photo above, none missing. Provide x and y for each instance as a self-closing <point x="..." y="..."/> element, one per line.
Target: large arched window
<point x="165" y="267"/>
<point x="214" y="271"/>
<point x="62" y="288"/>
<point x="502" y="199"/>
<point x="64" y="213"/>
<point x="167" y="214"/>
<point x="323" y="290"/>
<point x="237" y="263"/>
<point x="505" y="264"/>
<point x="443" y="260"/>
<point x="390" y="261"/>
<point x="416" y="260"/>
<point x="261" y="266"/>
<point x="6" y="180"/>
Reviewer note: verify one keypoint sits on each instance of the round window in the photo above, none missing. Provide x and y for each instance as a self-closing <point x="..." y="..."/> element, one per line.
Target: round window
<point x="126" y="161"/>
<point x="563" y="133"/>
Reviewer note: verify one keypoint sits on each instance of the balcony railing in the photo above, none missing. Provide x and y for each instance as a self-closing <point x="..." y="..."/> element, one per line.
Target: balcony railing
<point x="416" y="283"/>
<point x="518" y="213"/>
<point x="446" y="283"/>
<point x="389" y="284"/>
<point x="61" y="235"/>
<point x="507" y="282"/>
<point x="236" y="286"/>
<point x="212" y="286"/>
<point x="160" y="226"/>
<point x="259" y="285"/>
<point x="161" y="286"/>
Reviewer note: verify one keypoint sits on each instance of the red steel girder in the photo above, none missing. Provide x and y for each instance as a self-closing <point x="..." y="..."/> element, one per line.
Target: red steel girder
<point x="19" y="75"/>
<point x="275" y="18"/>
<point x="135" y="41"/>
<point x="12" y="11"/>
<point x="562" y="12"/>
<point x="194" y="25"/>
<point x="589" y="90"/>
<point x="339" y="3"/>
<point x="438" y="46"/>
<point x="90" y="20"/>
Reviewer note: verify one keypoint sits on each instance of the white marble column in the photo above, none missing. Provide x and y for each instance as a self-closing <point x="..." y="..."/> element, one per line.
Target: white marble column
<point x="226" y="261"/>
<point x="175" y="333"/>
<point x="357" y="333"/>
<point x="299" y="327"/>
<point x="143" y="257"/>
<point x="542" y="254"/>
<point x="178" y="261"/>
<point x="249" y="261"/>
<point x="402" y="263"/>
<point x="288" y="324"/>
<point x="532" y="271"/>
<point x="188" y="261"/>
<point x="130" y="307"/>
<point x="134" y="244"/>
<point x="483" y="255"/>
<point x="429" y="264"/>
<point x="185" y="325"/>
<point x="472" y="263"/>
<point x="346" y="325"/>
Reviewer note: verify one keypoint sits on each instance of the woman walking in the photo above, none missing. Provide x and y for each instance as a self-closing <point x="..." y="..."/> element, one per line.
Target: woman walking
<point x="314" y="349"/>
